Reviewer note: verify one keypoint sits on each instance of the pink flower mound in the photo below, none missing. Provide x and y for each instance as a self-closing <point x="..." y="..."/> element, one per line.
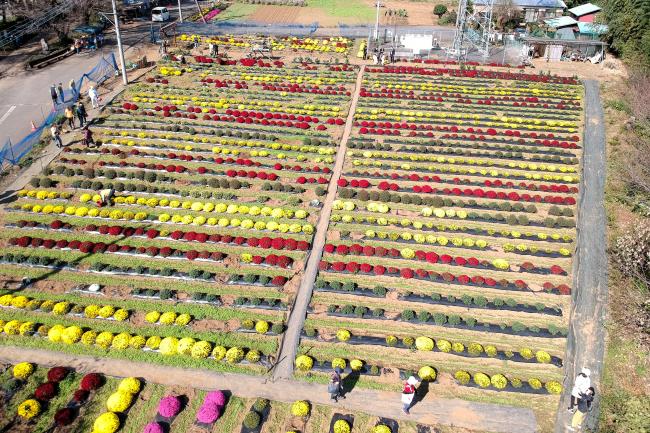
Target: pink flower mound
<point x="217" y="398"/>
<point x="153" y="427"/>
<point x="169" y="406"/>
<point x="208" y="413"/>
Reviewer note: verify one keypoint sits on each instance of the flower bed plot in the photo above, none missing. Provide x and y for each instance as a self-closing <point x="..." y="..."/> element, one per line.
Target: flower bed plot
<point x="202" y="245"/>
<point x="452" y="234"/>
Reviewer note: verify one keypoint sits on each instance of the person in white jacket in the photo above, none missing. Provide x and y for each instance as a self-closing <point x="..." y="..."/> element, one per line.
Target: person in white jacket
<point x="92" y="94"/>
<point x="580" y="386"/>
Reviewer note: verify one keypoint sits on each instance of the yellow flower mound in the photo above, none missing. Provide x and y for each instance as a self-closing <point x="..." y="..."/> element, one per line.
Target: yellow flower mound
<point x="28" y="409"/>
<point x="130" y="385"/>
<point x="424" y="344"/>
<point x="119" y="401"/>
<point x="300" y="408"/>
<point x="107" y="422"/>
<point x="23" y="370"/>
<point x="304" y="363"/>
<point x="427" y="373"/>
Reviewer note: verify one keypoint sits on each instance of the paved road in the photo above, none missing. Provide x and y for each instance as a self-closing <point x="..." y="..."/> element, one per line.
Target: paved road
<point x="482" y="417"/>
<point x="586" y="339"/>
<point x="25" y="96"/>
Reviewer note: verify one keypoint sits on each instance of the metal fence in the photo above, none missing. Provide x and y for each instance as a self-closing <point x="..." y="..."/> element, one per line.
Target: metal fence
<point x="12" y="153"/>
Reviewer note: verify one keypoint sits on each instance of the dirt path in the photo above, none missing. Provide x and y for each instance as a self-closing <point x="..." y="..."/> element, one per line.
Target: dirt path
<point x="431" y="411"/>
<point x="289" y="346"/>
<point x="586" y="340"/>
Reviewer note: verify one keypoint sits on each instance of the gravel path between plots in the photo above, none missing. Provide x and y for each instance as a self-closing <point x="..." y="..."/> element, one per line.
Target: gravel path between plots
<point x="432" y="411"/>
<point x="291" y="338"/>
<point x="586" y="339"/>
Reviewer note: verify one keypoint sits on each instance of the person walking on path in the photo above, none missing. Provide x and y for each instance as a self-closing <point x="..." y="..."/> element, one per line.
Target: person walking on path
<point x="59" y="89"/>
<point x="408" y="394"/>
<point x="92" y="94"/>
<point x="88" y="137"/>
<point x="54" y="95"/>
<point x="584" y="406"/>
<point x="335" y="385"/>
<point x="73" y="89"/>
<point x="56" y="135"/>
<point x="80" y="112"/>
<point x="392" y="55"/>
<point x="580" y="386"/>
<point x="69" y="116"/>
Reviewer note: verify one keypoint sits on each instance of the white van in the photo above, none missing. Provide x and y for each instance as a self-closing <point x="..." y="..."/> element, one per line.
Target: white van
<point x="159" y="14"/>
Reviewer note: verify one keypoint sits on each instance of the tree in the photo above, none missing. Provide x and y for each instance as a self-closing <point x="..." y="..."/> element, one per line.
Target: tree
<point x="506" y="14"/>
<point x="440" y="10"/>
<point x="629" y="29"/>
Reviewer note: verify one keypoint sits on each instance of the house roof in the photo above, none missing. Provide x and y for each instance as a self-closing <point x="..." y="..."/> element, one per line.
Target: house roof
<point x="585" y="9"/>
<point x="565" y="34"/>
<point x="592" y="29"/>
<point x="555" y="4"/>
<point x="560" y="22"/>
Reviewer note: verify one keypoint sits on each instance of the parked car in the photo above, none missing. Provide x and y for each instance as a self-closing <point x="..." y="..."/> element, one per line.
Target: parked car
<point x="159" y="14"/>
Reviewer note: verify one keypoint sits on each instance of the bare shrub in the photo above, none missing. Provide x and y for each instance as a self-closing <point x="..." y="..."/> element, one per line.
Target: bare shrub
<point x="632" y="252"/>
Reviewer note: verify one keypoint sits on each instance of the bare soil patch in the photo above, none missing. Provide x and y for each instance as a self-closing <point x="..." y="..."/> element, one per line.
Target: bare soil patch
<point x="276" y="14"/>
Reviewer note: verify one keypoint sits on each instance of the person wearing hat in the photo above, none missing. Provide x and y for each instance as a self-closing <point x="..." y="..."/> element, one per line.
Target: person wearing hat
<point x="334" y="387"/>
<point x="408" y="394"/>
<point x="580" y="386"/>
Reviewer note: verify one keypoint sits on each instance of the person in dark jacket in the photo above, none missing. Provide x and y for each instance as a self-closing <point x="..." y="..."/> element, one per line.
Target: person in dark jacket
<point x="335" y="385"/>
<point x="584" y="406"/>
<point x="80" y="112"/>
<point x="54" y="95"/>
<point x="88" y="137"/>
<point x="61" y="92"/>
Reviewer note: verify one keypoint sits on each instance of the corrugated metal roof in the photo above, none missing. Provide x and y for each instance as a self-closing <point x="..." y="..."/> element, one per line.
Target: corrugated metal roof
<point x="584" y="9"/>
<point x="592" y="29"/>
<point x="530" y="3"/>
<point x="565" y="34"/>
<point x="560" y="22"/>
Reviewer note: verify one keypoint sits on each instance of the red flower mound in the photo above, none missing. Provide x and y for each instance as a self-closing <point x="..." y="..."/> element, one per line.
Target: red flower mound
<point x="563" y="289"/>
<point x="114" y="230"/>
<point x="57" y="374"/>
<point x="352" y="267"/>
<point x="46" y="391"/>
<point x="191" y="255"/>
<point x="323" y="265"/>
<point x="56" y="224"/>
<point x="64" y="416"/>
<point x="80" y="395"/>
<point x="279" y="280"/>
<point x="91" y="381"/>
<point x="557" y="270"/>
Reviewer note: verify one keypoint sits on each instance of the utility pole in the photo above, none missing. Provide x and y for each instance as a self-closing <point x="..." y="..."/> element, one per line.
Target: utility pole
<point x="180" y="12"/>
<point x="378" y="4"/>
<point x="116" y="23"/>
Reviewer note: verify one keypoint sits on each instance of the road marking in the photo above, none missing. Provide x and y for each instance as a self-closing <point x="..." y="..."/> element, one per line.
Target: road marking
<point x="3" y="118"/>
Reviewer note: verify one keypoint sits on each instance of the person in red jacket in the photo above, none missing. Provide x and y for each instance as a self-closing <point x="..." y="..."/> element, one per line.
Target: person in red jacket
<point x="408" y="394"/>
